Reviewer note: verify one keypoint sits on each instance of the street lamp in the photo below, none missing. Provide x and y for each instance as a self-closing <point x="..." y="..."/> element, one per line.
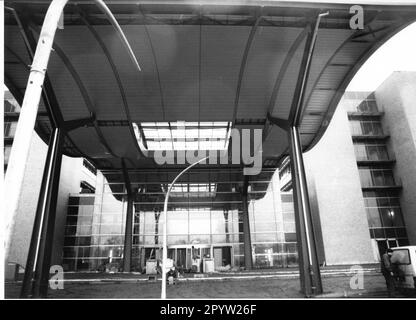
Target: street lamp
<point x="165" y="242"/>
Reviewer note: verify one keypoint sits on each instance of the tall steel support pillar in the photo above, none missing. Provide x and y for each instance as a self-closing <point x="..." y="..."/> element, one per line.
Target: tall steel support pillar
<point x="310" y="277"/>
<point x="36" y="277"/>
<point x="248" y="255"/>
<point x="128" y="235"/>
<point x="308" y="259"/>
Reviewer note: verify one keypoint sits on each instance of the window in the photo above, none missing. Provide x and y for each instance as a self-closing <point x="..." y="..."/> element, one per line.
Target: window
<point x="9" y="129"/>
<point x="11" y="105"/>
<point x="89" y="166"/>
<point x="360" y="102"/>
<point x="401" y="256"/>
<point x="385" y="219"/>
<point x="366" y="151"/>
<point x="193" y="190"/>
<point x="7" y="150"/>
<point x="376" y="177"/>
<point x="182" y="135"/>
<point x="86" y="187"/>
<point x="367" y="128"/>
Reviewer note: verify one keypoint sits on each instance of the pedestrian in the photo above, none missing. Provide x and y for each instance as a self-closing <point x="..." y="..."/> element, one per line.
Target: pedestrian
<point x="387" y="271"/>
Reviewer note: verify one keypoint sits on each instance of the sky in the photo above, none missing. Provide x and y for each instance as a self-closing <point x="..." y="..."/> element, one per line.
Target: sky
<point x="397" y="54"/>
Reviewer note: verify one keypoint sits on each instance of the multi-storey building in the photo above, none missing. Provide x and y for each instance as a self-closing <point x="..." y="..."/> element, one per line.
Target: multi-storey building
<point x="380" y="185"/>
<point x="356" y="173"/>
<point x="77" y="176"/>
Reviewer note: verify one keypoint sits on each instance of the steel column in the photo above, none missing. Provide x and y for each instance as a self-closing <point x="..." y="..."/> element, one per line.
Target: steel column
<point x="128" y="235"/>
<point x="308" y="259"/>
<point x="35" y="282"/>
<point x="248" y="256"/>
<point x="310" y="277"/>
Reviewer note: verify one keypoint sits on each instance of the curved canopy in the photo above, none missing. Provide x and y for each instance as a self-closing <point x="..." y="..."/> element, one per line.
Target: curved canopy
<point x="201" y="62"/>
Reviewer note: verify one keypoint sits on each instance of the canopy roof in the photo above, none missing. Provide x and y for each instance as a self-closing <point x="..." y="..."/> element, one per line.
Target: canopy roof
<point x="201" y="62"/>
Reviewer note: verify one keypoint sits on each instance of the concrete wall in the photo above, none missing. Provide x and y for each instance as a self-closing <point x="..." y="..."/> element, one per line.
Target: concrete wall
<point x="335" y="191"/>
<point x="397" y="98"/>
<point x="71" y="175"/>
<point x="22" y="230"/>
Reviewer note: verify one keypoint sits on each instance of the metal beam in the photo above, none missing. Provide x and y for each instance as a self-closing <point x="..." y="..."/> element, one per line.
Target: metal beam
<point x="83" y="90"/>
<point x="244" y="65"/>
<point x="248" y="255"/>
<point x="128" y="235"/>
<point x="279" y="79"/>
<point x="70" y="125"/>
<point x="297" y="105"/>
<point x="48" y="95"/>
<point x="116" y="74"/>
<point x="281" y="123"/>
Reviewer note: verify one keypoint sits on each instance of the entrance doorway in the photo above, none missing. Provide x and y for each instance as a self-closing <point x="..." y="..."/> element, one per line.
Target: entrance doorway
<point x="222" y="257"/>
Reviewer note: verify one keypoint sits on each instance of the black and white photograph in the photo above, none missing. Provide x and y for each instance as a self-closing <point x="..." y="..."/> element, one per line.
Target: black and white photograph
<point x="208" y="156"/>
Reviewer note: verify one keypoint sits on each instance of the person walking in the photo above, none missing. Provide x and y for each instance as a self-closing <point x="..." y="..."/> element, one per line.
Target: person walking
<point x="387" y="271"/>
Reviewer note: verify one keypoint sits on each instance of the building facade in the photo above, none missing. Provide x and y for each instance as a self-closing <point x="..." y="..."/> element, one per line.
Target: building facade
<point x="77" y="175"/>
<point x="204" y="220"/>
<point x="355" y="173"/>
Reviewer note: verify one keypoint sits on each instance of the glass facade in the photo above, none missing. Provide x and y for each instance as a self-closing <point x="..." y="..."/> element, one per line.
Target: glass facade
<point x="366" y="128"/>
<point x="381" y="189"/>
<point x="385" y="219"/>
<point x="203" y="217"/>
<point x="370" y="177"/>
<point x="11" y="115"/>
<point x="368" y="151"/>
<point x="9" y="129"/>
<point x="362" y="102"/>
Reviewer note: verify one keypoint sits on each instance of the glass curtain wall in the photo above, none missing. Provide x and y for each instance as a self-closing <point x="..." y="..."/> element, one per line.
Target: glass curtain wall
<point x="203" y="217"/>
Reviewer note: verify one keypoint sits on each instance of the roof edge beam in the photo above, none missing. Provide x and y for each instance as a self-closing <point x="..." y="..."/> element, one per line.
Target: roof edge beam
<point x="78" y="123"/>
<point x="244" y="64"/>
<point x="295" y="116"/>
<point x="281" y="123"/>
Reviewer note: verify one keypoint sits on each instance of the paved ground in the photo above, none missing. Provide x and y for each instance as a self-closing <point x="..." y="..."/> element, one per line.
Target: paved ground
<point x="278" y="286"/>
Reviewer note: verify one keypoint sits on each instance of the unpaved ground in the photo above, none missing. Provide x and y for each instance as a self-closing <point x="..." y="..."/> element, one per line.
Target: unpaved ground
<point x="374" y="286"/>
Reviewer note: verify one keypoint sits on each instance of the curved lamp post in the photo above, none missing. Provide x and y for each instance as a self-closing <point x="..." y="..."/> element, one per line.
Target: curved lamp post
<point x="165" y="224"/>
